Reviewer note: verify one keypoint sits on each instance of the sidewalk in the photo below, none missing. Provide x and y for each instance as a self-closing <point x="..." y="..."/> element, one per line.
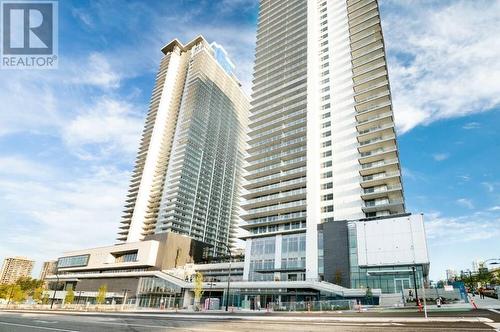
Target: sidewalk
<point x="486" y="303"/>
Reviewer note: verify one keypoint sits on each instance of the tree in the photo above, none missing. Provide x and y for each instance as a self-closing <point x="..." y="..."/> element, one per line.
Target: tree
<point x="29" y="287"/>
<point x="369" y="295"/>
<point x="38" y="294"/>
<point x="101" y="294"/>
<point x="198" y="287"/>
<point x="45" y="298"/>
<point x="15" y="293"/>
<point x="70" y="295"/>
<point x="4" y="291"/>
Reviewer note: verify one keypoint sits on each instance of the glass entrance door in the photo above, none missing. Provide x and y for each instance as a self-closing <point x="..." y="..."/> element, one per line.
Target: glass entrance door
<point x="400" y="284"/>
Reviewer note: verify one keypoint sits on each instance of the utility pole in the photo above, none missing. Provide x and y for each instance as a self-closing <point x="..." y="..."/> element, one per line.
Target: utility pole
<point x="55" y="290"/>
<point x="415" y="284"/>
<point x="10" y="296"/>
<point x="124" y="297"/>
<point x="228" y="277"/>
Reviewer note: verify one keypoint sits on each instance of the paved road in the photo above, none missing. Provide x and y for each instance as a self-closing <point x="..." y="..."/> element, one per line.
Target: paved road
<point x="28" y="322"/>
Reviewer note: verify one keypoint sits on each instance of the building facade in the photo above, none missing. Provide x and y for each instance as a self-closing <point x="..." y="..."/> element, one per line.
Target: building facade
<point x="14" y="268"/>
<point x="187" y="174"/>
<point x="322" y="143"/>
<point x="48" y="268"/>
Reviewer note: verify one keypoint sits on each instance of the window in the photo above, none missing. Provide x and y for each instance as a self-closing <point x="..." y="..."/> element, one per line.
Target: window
<point x="327" y="164"/>
<point x="328" y="208"/>
<point x="328" y="174"/>
<point x="326" y="154"/>
<point x="324" y="116"/>
<point x="327" y="197"/>
<point x="73" y="261"/>
<point x="326" y="124"/>
<point x="325" y="106"/>
<point x="326" y="144"/>
<point x="328" y="185"/>
<point x="123" y="257"/>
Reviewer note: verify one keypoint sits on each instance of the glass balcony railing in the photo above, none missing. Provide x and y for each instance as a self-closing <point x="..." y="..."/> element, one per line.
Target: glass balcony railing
<point x="276" y="196"/>
<point x="377" y="139"/>
<point x="380" y="176"/>
<point x="381" y="189"/>
<point x="384" y="202"/>
<point x="277" y="176"/>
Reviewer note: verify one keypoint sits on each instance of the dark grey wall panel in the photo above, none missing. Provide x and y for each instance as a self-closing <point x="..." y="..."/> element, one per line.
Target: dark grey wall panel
<point x="336" y="253"/>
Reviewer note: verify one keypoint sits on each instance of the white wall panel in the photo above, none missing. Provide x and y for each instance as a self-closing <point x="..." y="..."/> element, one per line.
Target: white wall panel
<point x="391" y="241"/>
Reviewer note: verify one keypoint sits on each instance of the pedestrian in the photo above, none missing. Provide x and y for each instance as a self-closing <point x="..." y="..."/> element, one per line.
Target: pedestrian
<point x="410" y="295"/>
<point x="438" y="302"/>
<point x="481" y="293"/>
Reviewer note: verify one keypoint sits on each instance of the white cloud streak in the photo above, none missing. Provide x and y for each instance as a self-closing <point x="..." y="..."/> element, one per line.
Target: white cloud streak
<point x="440" y="156"/>
<point x="443" y="59"/>
<point x="442" y="230"/>
<point x="465" y="202"/>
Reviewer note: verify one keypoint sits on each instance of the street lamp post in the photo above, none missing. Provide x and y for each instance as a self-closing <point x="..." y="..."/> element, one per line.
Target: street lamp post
<point x="495" y="261"/>
<point x="125" y="291"/>
<point x="55" y="290"/>
<point x="10" y="296"/>
<point x="210" y="294"/>
<point x="415" y="283"/>
<point x="228" y="276"/>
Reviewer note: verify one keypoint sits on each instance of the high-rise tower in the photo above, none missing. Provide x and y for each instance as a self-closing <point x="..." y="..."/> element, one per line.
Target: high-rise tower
<point x="187" y="173"/>
<point x="322" y="144"/>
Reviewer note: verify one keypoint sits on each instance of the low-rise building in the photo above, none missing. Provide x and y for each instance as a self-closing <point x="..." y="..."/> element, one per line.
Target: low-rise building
<point x="384" y="255"/>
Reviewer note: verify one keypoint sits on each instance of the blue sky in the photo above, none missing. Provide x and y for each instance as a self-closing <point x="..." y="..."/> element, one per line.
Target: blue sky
<point x="68" y="136"/>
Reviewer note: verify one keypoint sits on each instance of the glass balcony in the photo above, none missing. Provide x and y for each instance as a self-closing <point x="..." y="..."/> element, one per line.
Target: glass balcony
<point x="380" y="178"/>
<point x="380" y="142"/>
<point x="374" y="155"/>
<point x="380" y="191"/>
<point x="392" y="205"/>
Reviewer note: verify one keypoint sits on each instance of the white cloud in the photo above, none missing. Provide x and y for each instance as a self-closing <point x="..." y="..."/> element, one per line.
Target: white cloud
<point x="494" y="208"/>
<point x="83" y="16"/>
<point x="443" y="59"/>
<point x="12" y="166"/>
<point x="56" y="215"/>
<point x="489" y="186"/>
<point x="442" y="230"/>
<point x="465" y="202"/>
<point x="109" y="126"/>
<point x="226" y="6"/>
<point x="98" y="72"/>
<point x="440" y="156"/>
<point x="471" y="125"/>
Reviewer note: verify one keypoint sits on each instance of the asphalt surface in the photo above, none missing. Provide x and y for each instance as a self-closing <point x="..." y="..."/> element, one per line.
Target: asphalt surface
<point x="67" y="322"/>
